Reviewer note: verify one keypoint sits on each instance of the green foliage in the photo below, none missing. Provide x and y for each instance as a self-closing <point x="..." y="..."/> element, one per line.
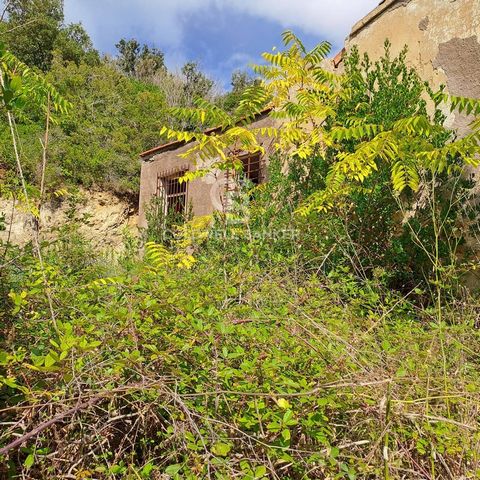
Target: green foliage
<point x="382" y="96"/>
<point x="382" y="92"/>
<point x="372" y="139"/>
<point x="74" y="45"/>
<point x="34" y="31"/>
<point x="387" y="96"/>
<point x="228" y="368"/>
<point x="128" y="55"/>
<point x="141" y="62"/>
<point x="97" y="144"/>
<point x="22" y="87"/>
<point x="241" y="80"/>
<point x="197" y="84"/>
<point x="164" y="223"/>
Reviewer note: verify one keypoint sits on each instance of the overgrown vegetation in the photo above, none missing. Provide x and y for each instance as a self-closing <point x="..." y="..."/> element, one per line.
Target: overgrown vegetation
<point x="120" y="103"/>
<point x="319" y="330"/>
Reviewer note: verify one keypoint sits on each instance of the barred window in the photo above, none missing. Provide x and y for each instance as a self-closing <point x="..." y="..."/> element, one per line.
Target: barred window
<point x="173" y="191"/>
<point x="251" y="167"/>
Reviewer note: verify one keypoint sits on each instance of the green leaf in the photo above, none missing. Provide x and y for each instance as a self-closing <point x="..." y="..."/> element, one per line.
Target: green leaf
<point x="288" y="418"/>
<point x="283" y="403"/>
<point x="3" y="357"/>
<point x="173" y="469"/>
<point x="9" y="382"/>
<point x="147" y="470"/>
<point x="260" y="471"/>
<point x="16" y="83"/>
<point x="221" y="449"/>
<point x="29" y="461"/>
<point x="50" y="360"/>
<point x="37" y="359"/>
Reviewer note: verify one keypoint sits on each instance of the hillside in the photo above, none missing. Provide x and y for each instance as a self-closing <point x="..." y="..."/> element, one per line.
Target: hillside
<point x="119" y="104"/>
<point x="322" y="325"/>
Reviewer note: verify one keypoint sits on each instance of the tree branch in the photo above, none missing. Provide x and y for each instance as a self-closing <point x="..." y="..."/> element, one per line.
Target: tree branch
<point x="43" y="426"/>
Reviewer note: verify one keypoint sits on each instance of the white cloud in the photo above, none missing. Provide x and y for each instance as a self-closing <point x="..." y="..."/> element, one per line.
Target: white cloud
<point x="161" y="20"/>
<point x="164" y="20"/>
<point x="239" y="60"/>
<point x="331" y="19"/>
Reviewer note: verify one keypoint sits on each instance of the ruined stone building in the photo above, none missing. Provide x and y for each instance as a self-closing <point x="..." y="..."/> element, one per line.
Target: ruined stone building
<point x="443" y="39"/>
<point x="162" y="168"/>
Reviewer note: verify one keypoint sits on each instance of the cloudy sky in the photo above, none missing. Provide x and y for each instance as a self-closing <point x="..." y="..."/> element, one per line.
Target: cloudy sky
<point x="223" y="35"/>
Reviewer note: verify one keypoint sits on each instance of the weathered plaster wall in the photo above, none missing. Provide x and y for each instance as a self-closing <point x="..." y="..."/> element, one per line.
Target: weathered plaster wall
<point x="443" y="38"/>
<point x="205" y="194"/>
<point x="201" y="194"/>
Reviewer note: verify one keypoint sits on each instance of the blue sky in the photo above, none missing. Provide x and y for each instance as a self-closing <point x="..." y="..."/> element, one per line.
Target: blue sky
<point x="222" y="35"/>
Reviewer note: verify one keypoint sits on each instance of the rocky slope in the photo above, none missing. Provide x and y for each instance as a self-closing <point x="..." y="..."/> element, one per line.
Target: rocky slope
<point x="102" y="217"/>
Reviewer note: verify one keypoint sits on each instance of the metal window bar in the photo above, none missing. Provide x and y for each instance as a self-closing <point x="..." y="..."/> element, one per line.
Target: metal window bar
<point x="173" y="192"/>
<point x="251" y="167"/>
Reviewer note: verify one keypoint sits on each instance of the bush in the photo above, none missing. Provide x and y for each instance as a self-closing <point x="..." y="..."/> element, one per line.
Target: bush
<point x="230" y="350"/>
<point x="233" y="369"/>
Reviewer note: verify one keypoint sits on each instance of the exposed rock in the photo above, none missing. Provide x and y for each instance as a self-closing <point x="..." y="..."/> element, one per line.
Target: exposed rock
<point x="423" y="24"/>
<point x="102" y="217"/>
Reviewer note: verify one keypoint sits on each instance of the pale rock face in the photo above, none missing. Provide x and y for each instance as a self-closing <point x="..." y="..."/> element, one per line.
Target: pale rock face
<point x="103" y="218"/>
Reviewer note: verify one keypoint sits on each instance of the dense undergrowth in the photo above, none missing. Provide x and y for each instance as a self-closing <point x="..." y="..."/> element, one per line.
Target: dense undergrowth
<point x="318" y="329"/>
<point x="261" y="353"/>
<point x="241" y="365"/>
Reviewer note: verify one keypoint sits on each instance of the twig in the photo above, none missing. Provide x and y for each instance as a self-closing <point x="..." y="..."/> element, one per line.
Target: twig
<point x="43" y="426"/>
<point x="286" y="395"/>
<point x="21" y="26"/>
<point x="440" y="419"/>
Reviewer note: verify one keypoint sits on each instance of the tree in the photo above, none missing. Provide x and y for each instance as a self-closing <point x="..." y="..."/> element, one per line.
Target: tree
<point x="240" y="81"/>
<point x="35" y="32"/>
<point x="33" y="27"/>
<point x="371" y="133"/>
<point x="380" y="93"/>
<point x="74" y="45"/>
<point x="197" y="84"/>
<point x="139" y="61"/>
<point x="128" y="55"/>
<point x="150" y="61"/>
<point x="305" y="97"/>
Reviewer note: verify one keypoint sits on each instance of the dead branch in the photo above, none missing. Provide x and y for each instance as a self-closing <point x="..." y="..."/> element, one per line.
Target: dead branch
<point x="43" y="426"/>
